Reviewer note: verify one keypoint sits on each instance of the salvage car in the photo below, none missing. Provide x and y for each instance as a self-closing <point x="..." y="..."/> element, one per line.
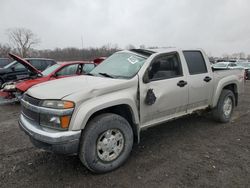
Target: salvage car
<point x="14" y="90"/>
<point x="21" y="69"/>
<point x="101" y="115"/>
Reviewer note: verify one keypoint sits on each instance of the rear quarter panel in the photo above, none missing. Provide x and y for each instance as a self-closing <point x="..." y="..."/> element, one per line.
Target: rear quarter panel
<point x="223" y="78"/>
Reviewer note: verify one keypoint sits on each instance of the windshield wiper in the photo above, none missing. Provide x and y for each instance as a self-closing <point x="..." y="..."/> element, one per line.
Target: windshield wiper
<point x="89" y="74"/>
<point x="106" y="74"/>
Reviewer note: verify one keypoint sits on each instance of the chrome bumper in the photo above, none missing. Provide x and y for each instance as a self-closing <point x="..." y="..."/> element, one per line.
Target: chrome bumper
<point x="65" y="142"/>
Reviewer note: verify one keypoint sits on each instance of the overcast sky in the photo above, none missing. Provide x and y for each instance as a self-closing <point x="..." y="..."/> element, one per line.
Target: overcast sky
<point x="218" y="26"/>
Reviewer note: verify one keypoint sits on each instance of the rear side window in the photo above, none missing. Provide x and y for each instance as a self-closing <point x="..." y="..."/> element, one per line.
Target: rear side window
<point x="195" y="62"/>
<point x="36" y="64"/>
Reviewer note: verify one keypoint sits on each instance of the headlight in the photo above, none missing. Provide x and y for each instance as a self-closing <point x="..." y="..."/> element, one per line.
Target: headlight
<point x="55" y="121"/>
<point x="58" y="104"/>
<point x="9" y="87"/>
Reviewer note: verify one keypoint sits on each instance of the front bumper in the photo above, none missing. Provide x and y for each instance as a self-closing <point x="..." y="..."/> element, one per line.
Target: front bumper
<point x="63" y="142"/>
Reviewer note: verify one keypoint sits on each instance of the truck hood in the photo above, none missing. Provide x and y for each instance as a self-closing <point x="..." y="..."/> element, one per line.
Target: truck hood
<point x="25" y="63"/>
<point x="89" y="86"/>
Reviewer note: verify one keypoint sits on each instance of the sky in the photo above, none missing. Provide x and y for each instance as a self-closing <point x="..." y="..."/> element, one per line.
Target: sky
<point x="217" y="26"/>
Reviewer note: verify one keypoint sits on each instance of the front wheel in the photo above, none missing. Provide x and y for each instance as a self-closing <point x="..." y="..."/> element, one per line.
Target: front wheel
<point x="225" y="106"/>
<point x="106" y="143"/>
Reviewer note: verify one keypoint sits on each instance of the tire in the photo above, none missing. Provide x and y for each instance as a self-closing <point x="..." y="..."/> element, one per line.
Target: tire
<point x="99" y="141"/>
<point x="225" y="106"/>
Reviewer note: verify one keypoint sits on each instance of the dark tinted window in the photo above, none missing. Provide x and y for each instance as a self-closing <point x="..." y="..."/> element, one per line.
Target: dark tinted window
<point x="195" y="61"/>
<point x="4" y="62"/>
<point x="36" y="63"/>
<point x="41" y="64"/>
<point x="164" y="67"/>
<point x="18" y="66"/>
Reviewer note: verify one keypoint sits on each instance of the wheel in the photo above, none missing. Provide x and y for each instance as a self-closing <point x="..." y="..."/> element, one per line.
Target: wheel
<point x="106" y="143"/>
<point x="225" y="106"/>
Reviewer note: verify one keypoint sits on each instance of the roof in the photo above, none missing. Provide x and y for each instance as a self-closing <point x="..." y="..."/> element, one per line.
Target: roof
<point x="30" y="58"/>
<point x="149" y="52"/>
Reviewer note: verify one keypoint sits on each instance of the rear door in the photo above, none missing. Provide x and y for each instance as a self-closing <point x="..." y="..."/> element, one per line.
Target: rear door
<point x="200" y="83"/>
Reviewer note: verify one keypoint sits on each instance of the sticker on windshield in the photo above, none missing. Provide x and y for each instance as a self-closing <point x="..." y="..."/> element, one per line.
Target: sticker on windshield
<point x="133" y="60"/>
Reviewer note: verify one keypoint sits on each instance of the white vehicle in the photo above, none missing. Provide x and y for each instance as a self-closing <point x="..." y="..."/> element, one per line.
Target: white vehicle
<point x="226" y="65"/>
<point x="100" y="116"/>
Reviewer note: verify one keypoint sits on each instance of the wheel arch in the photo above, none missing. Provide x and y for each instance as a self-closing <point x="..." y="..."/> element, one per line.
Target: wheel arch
<point x="233" y="86"/>
<point x="126" y="110"/>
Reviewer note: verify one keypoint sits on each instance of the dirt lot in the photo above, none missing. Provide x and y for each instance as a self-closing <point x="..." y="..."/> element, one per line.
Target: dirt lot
<point x="193" y="151"/>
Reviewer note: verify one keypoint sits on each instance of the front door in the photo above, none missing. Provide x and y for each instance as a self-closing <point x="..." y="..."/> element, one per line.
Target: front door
<point x="165" y="92"/>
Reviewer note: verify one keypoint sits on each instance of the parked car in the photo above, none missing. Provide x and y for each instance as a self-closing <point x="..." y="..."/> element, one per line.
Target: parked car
<point x="226" y="65"/>
<point x="60" y="70"/>
<point x="19" y="70"/>
<point x="101" y="115"/>
<point x="4" y="62"/>
<point x="245" y="65"/>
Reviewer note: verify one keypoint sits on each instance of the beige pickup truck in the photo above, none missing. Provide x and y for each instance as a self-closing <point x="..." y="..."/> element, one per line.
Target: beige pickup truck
<point x="100" y="116"/>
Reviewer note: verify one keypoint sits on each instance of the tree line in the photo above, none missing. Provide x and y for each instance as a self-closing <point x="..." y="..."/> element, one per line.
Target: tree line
<point x="23" y="41"/>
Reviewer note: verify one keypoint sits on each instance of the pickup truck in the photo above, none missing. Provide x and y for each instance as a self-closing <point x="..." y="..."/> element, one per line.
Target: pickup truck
<point x="99" y="116"/>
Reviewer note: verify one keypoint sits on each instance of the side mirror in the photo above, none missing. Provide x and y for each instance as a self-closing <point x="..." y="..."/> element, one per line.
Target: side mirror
<point x="145" y="78"/>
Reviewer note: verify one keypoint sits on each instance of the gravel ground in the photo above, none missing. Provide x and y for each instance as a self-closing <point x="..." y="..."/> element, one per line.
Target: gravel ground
<point x="193" y="151"/>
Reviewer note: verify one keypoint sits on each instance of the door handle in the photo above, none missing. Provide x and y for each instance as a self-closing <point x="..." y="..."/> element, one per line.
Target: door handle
<point x="181" y="83"/>
<point x="207" y="79"/>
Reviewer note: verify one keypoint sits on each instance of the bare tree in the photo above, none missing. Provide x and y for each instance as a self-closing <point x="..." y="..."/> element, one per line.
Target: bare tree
<point x="22" y="40"/>
<point x="4" y="50"/>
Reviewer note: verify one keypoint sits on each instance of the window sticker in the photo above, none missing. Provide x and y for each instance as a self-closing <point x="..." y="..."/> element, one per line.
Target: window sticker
<point x="133" y="60"/>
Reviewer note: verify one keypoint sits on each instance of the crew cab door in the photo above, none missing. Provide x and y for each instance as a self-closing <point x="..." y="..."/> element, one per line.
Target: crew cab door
<point x="200" y="82"/>
<point x="163" y="90"/>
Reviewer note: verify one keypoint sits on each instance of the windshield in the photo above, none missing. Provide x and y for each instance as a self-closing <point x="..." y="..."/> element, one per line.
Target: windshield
<point x="9" y="65"/>
<point x="121" y="64"/>
<point x="51" y="69"/>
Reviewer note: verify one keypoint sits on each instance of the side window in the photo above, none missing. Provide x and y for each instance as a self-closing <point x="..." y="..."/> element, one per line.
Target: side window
<point x="36" y="64"/>
<point x="88" y="67"/>
<point x="45" y="64"/>
<point x="164" y="67"/>
<point x="195" y="62"/>
<point x="19" y="66"/>
<point x="68" y="70"/>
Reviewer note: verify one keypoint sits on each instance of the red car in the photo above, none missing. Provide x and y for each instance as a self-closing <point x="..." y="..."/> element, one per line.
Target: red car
<point x="60" y="70"/>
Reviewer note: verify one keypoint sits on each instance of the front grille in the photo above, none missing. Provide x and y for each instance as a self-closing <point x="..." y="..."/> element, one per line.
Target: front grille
<point x="30" y="114"/>
<point x="34" y="116"/>
<point x="31" y="100"/>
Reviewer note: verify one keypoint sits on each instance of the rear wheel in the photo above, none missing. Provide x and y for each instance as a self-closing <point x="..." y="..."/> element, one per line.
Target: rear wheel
<point x="106" y="143"/>
<point x="224" y="109"/>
